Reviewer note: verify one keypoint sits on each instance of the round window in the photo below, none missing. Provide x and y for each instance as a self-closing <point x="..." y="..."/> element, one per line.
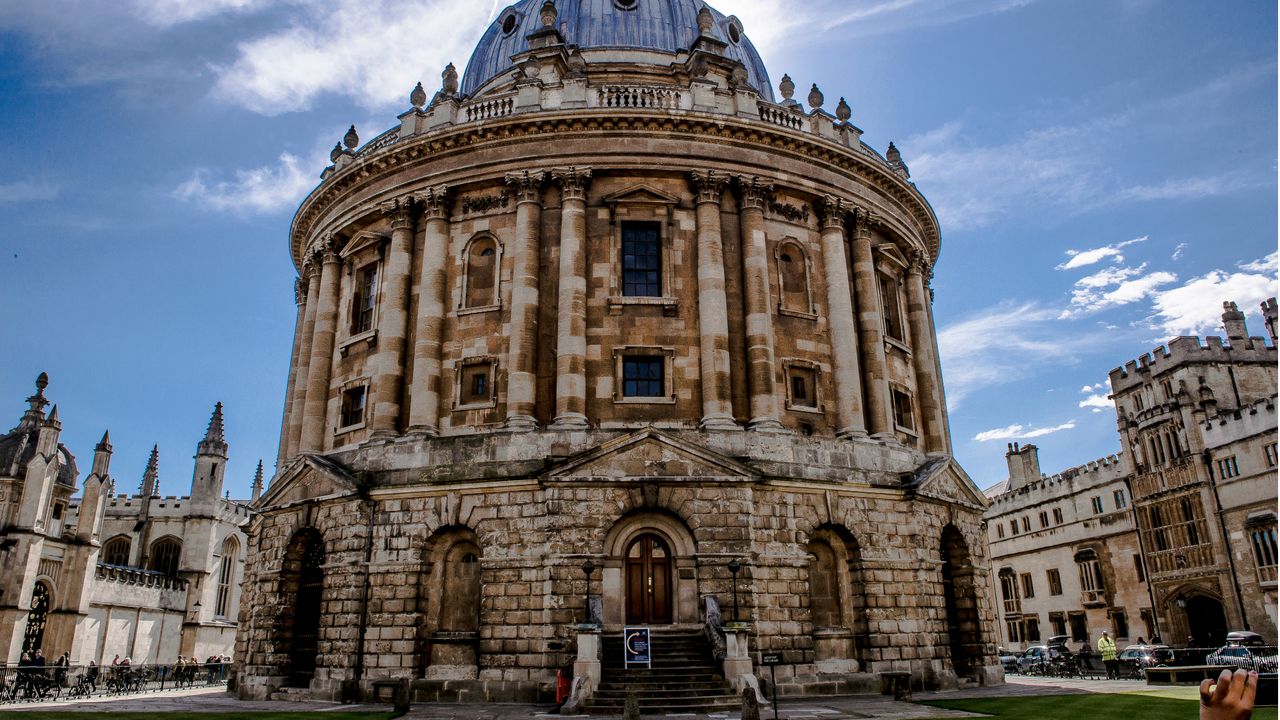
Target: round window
<point x="786" y="257"/>
<point x="625" y="4"/>
<point x="734" y="33"/>
<point x="509" y="24"/>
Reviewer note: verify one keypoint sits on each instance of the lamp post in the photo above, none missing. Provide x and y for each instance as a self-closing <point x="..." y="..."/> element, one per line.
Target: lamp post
<point x="588" y="567"/>
<point x="734" y="568"/>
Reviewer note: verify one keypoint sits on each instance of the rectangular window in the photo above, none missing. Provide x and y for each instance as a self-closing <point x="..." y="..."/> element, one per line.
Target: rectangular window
<point x="1026" y="524"/>
<point x="803" y="386"/>
<point x="641" y="260"/>
<point x="999" y="531"/>
<point x="1096" y="500"/>
<point x="1120" y="623"/>
<point x="642" y="376"/>
<point x="1059" y="623"/>
<point x="1028" y="587"/>
<point x="1044" y="519"/>
<point x="1055" y="582"/>
<point x="1013" y="527"/>
<point x="1079" y="626"/>
<point x="1120" y="499"/>
<point x="1009" y="591"/>
<point x="1057" y="516"/>
<point x="1263" y="540"/>
<point x="1013" y="628"/>
<point x="1138" y="569"/>
<point x="1032" y="626"/>
<point x="1270" y="451"/>
<point x="1167" y="385"/>
<point x="903" y="415"/>
<point x="476" y="387"/>
<point x="353" y="406"/>
<point x="1227" y="468"/>
<point x="893" y="326"/>
<point x="362" y="306"/>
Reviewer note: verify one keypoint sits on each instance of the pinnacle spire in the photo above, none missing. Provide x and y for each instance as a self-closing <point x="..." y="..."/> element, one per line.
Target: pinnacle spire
<point x="35" y="413"/>
<point x="214" y="442"/>
<point x="105" y="442"/>
<point x="151" y="476"/>
<point x="257" y="482"/>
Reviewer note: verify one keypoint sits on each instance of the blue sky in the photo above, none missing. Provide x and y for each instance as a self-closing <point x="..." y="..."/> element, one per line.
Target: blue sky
<point x="1104" y="171"/>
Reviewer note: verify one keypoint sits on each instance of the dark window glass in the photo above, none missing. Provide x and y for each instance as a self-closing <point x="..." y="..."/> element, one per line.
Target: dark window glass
<point x="903" y="417"/>
<point x="642" y="376"/>
<point x="353" y="406"/>
<point x="475" y="384"/>
<point x="366" y="291"/>
<point x="641" y="260"/>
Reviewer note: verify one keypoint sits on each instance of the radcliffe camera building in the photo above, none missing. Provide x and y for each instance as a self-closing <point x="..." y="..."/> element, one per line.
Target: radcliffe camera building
<point x="607" y="299"/>
<point x="1175" y="536"/>
<point x="144" y="576"/>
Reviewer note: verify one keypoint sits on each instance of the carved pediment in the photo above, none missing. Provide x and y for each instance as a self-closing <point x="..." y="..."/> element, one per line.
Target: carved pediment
<point x="309" y="477"/>
<point x="944" y="479"/>
<point x="641" y="195"/>
<point x="650" y="454"/>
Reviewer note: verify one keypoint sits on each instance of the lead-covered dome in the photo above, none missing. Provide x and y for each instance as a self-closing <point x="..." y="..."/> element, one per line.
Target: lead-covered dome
<point x="664" y="25"/>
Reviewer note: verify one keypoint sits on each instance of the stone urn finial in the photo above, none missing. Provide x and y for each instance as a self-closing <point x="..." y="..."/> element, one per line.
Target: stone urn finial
<point x="843" y="111"/>
<point x="335" y="153"/>
<point x="450" y="77"/>
<point x="787" y="87"/>
<point x="351" y="139"/>
<point x="549" y="14"/>
<point x="705" y="21"/>
<point x="418" y="97"/>
<point x="892" y="154"/>
<point x="815" y="97"/>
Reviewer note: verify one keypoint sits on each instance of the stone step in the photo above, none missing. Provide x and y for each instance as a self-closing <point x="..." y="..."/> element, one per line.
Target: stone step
<point x="621" y="692"/>
<point x="662" y="704"/>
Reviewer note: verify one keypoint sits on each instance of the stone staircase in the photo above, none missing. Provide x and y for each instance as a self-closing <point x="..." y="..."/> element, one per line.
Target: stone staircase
<point x="685" y="678"/>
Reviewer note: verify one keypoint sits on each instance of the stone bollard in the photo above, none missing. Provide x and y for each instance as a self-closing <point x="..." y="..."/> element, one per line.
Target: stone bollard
<point x="402" y="697"/>
<point x="631" y="708"/>
<point x="750" y="704"/>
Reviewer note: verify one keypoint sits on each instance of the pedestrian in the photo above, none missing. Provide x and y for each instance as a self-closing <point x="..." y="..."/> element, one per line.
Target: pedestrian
<point x="92" y="675"/>
<point x="1155" y="640"/>
<point x="61" y="665"/>
<point x="115" y="660"/>
<point x="1141" y="641"/>
<point x="1107" y="649"/>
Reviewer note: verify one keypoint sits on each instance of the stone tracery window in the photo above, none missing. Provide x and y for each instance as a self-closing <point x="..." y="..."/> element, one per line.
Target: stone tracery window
<point x="116" y="551"/>
<point x="226" y="573"/>
<point x="166" y="553"/>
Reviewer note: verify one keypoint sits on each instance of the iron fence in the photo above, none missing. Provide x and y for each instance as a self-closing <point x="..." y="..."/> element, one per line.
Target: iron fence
<point x="76" y="682"/>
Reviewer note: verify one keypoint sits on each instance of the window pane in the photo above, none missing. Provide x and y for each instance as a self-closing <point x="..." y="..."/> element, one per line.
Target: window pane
<point x="643" y="376"/>
<point x="641" y="260"/>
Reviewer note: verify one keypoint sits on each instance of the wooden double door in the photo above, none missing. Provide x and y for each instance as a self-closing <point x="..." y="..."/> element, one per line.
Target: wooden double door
<point x="648" y="581"/>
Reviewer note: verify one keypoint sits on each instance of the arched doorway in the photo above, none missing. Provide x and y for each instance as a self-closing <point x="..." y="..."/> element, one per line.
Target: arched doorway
<point x="961" y="603"/>
<point x="303" y="590"/>
<point x="1206" y="621"/>
<point x="40" y="599"/>
<point x="648" y="573"/>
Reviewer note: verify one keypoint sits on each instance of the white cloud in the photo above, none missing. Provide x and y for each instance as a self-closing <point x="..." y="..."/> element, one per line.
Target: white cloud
<point x="25" y="191"/>
<point x="259" y="190"/>
<point x="1113" y="287"/>
<point x="1019" y="432"/>
<point x="1185" y="188"/>
<point x="1081" y="258"/>
<point x="999" y="345"/>
<point x="375" y="60"/>
<point x="1096" y="402"/>
<point x="1195" y="307"/>
<point x="164" y="13"/>
<point x="1178" y="251"/>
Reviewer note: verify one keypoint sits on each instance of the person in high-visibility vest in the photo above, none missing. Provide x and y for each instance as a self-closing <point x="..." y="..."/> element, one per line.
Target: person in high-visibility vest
<point x="1107" y="649"/>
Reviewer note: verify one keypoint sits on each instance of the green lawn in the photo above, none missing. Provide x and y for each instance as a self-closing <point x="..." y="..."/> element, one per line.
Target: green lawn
<point x="1076" y="707"/>
<point x="54" y="715"/>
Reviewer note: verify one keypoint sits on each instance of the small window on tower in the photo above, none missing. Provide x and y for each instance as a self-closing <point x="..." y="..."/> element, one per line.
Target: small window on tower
<point x="476" y="383"/>
<point x="802" y="387"/>
<point x="353" y="406"/>
<point x="903" y="415"/>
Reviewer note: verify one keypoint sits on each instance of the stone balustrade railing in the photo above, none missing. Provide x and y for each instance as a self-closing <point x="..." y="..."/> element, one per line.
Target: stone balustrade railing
<point x="1158" y="480"/>
<point x="139" y="577"/>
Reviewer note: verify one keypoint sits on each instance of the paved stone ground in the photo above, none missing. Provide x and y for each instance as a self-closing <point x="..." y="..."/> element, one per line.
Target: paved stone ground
<point x="203" y="700"/>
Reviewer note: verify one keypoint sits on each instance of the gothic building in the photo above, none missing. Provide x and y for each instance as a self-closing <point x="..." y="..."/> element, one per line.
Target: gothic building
<point x="605" y="318"/>
<point x="1174" y="537"/>
<point x="100" y="574"/>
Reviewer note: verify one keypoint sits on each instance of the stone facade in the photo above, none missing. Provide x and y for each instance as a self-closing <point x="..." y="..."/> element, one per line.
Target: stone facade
<point x="99" y="575"/>
<point x="1180" y="525"/>
<point x="616" y="306"/>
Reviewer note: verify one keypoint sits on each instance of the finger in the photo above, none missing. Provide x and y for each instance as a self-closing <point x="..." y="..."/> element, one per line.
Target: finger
<point x="1206" y="687"/>
<point x="1250" y="691"/>
<point x="1223" y="684"/>
<point x="1237" y="684"/>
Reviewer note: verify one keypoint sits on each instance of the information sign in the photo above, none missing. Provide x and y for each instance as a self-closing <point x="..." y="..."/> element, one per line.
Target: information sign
<point x="635" y="647"/>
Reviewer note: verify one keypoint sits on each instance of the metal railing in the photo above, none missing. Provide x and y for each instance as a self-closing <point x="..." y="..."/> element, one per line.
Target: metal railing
<point x="79" y="682"/>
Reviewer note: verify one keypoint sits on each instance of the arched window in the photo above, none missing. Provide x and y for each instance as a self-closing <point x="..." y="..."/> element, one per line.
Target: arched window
<point x="460" y="609"/>
<point x="824" y="586"/>
<point x="41" y="597"/>
<point x="793" y="278"/>
<point x="116" y="551"/>
<point x="165" y="556"/>
<point x="480" y="282"/>
<point x="226" y="576"/>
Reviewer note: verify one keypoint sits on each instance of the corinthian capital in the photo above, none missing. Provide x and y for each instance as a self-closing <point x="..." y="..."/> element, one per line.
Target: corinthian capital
<point x="755" y="192"/>
<point x="434" y="202"/>
<point x="920" y="264"/>
<point x="866" y="220"/>
<point x="573" y="181"/>
<point x="399" y="211"/>
<point x="708" y="186"/>
<point x="300" y="288"/>
<point x="833" y="211"/>
<point x="527" y="185"/>
<point x="325" y="251"/>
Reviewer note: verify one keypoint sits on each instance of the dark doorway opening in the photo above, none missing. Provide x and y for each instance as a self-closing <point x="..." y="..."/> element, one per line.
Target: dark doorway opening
<point x="1206" y="621"/>
<point x="961" y="603"/>
<point x="304" y="580"/>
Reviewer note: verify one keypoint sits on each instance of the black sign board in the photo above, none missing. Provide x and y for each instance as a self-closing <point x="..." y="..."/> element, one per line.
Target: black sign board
<point x="635" y="647"/>
<point x="771" y="659"/>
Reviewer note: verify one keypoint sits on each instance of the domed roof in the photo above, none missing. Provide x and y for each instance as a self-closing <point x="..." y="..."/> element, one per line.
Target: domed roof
<point x="666" y="25"/>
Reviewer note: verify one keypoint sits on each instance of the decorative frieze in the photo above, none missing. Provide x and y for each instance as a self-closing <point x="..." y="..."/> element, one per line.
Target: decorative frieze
<point x="476" y="204"/>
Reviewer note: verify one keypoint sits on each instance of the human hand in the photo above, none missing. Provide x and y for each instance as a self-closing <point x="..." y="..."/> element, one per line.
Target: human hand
<point x="1231" y="698"/>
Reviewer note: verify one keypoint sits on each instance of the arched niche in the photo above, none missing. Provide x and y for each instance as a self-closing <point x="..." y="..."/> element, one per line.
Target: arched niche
<point x="450" y="595"/>
<point x="637" y="532"/>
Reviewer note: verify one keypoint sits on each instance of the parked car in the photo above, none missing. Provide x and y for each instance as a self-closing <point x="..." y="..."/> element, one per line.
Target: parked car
<point x="1047" y="660"/>
<point x="1135" y="659"/>
<point x="1250" y="657"/>
<point x="1008" y="660"/>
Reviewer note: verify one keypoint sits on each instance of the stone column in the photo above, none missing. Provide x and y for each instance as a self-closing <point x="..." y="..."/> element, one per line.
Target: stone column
<point x="840" y="323"/>
<point x="522" y="352"/>
<point x="571" y="309"/>
<point x="299" y="326"/>
<point x="311" y="275"/>
<point x="386" y="367"/>
<point x="321" y="366"/>
<point x="922" y="356"/>
<point x="425" y="388"/>
<point x="871" y="330"/>
<point x="713" y="312"/>
<point x="761" y="368"/>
